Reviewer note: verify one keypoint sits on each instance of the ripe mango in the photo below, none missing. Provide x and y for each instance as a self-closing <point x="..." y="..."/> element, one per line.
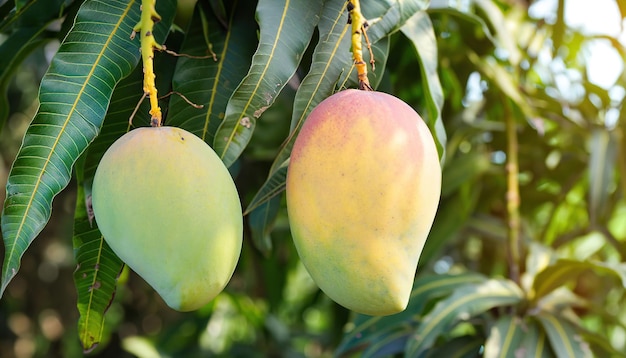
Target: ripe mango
<point x="363" y="186"/>
<point x="168" y="207"/>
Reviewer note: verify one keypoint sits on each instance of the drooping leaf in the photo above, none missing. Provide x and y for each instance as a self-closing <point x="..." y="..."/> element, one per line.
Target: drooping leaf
<point x="389" y="345"/>
<point x="96" y="273"/>
<point x="74" y="97"/>
<point x="286" y="29"/>
<point x="368" y="330"/>
<point x="260" y="221"/>
<point x="332" y="62"/>
<point x="25" y="28"/>
<point x="98" y="265"/>
<point x="419" y="29"/>
<point x="459" y="347"/>
<point x="602" y="161"/>
<point x="209" y="81"/>
<point x="466" y="301"/>
<point x="504" y="337"/>
<point x="564" y="339"/>
<point x="535" y="342"/>
<point x="567" y="270"/>
<point x="272" y="187"/>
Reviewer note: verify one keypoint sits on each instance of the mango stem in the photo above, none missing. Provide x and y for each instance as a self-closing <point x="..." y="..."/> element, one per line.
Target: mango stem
<point x="359" y="26"/>
<point x="145" y="27"/>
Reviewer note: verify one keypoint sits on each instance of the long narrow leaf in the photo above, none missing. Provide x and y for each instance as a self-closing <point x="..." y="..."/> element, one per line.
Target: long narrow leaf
<point x="98" y="266"/>
<point x="566" y="270"/>
<point x="286" y="30"/>
<point x="465" y="302"/>
<point x="419" y="29"/>
<point x="332" y="61"/>
<point x="563" y="336"/>
<point x="25" y="27"/>
<point x="535" y="342"/>
<point x="505" y="337"/>
<point x="73" y="97"/>
<point x="367" y="329"/>
<point x="210" y="81"/>
<point x="96" y="272"/>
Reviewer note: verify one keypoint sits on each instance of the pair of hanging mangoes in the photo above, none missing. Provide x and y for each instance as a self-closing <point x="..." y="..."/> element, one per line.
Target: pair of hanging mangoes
<point x="363" y="186"/>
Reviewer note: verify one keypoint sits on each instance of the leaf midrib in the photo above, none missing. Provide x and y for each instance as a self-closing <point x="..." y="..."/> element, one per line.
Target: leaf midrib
<point x="258" y="83"/>
<point x="63" y="127"/>
<point x="220" y="67"/>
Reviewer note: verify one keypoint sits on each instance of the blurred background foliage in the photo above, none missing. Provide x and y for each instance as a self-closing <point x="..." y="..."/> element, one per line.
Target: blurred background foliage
<point x="533" y="112"/>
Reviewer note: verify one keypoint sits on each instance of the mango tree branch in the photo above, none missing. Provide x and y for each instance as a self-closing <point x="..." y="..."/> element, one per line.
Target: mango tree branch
<point x="359" y="24"/>
<point x="145" y="27"/>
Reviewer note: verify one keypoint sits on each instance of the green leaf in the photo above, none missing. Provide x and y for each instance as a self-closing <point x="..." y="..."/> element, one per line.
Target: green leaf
<point x="260" y="221"/>
<point x="286" y="29"/>
<point x="535" y="342"/>
<point x="25" y="28"/>
<point x="419" y="29"/>
<point x="96" y="276"/>
<point x="36" y="15"/>
<point x="466" y="301"/>
<point x="602" y="161"/>
<point x="566" y="270"/>
<point x="459" y="347"/>
<point x="12" y="52"/>
<point x="272" y="187"/>
<point x="96" y="272"/>
<point x="368" y="330"/>
<point x="504" y="337"/>
<point x="563" y="336"/>
<point x="331" y="59"/>
<point x="391" y="344"/>
<point x="73" y="98"/>
<point x="209" y="81"/>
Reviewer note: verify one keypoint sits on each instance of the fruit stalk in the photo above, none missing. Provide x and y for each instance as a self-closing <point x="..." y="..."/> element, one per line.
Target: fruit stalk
<point x="359" y="24"/>
<point x="145" y="27"/>
<point x="512" y="194"/>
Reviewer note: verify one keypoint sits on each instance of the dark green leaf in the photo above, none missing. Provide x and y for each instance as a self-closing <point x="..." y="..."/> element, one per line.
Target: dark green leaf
<point x="260" y="221"/>
<point x="272" y="187"/>
<point x="466" y="302"/>
<point x="211" y="81"/>
<point x="96" y="272"/>
<point x="459" y="347"/>
<point x="95" y="277"/>
<point x="286" y="29"/>
<point x="368" y="330"/>
<point x="564" y="339"/>
<point x="12" y="52"/>
<point x="73" y="98"/>
<point x="389" y="345"/>
<point x="419" y="29"/>
<point x="331" y="59"/>
<point x="25" y="26"/>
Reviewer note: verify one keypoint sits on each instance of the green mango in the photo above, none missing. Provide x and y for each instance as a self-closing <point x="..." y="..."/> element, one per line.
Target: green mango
<point x="168" y="207"/>
<point x="363" y="187"/>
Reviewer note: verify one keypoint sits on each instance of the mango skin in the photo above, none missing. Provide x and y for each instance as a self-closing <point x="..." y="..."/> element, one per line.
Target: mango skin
<point x="363" y="186"/>
<point x="168" y="207"/>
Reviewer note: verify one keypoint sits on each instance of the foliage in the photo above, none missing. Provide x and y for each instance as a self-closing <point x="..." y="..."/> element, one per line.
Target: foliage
<point x="526" y="255"/>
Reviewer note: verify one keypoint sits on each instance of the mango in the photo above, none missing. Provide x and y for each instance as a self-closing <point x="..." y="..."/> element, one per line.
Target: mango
<point x="168" y="207"/>
<point x="363" y="187"/>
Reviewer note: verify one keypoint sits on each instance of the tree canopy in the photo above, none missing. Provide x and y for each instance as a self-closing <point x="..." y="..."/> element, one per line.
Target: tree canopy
<point x="526" y="254"/>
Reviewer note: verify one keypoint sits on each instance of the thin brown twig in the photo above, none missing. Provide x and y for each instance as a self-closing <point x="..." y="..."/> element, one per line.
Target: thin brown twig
<point x="194" y="105"/>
